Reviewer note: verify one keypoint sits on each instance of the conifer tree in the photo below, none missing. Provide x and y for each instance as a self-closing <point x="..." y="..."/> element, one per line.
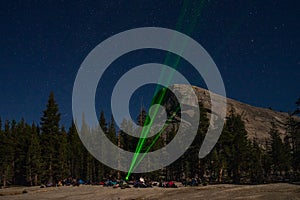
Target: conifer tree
<point x="256" y="163"/>
<point x="194" y="166"/>
<point x="7" y="156"/>
<point x="75" y="152"/>
<point x="111" y="134"/>
<point x="63" y="155"/>
<point x="127" y="142"/>
<point x="33" y="158"/>
<point x="100" y="167"/>
<point x="142" y="118"/>
<point x="50" y="139"/>
<point x="21" y="133"/>
<point x="237" y="160"/>
<point x="277" y="153"/>
<point x="1" y="152"/>
<point x="293" y="130"/>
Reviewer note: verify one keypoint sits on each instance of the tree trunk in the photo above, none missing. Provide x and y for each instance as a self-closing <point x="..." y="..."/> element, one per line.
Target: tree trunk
<point x="35" y="179"/>
<point x="199" y="169"/>
<point x="13" y="172"/>
<point x="50" y="171"/>
<point x="220" y="174"/>
<point x="30" y="177"/>
<point x="4" y="180"/>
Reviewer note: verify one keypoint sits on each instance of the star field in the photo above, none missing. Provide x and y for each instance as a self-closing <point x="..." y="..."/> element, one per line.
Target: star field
<point x="255" y="45"/>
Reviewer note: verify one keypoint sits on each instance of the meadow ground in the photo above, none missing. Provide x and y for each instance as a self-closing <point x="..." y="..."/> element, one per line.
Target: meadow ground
<point x="270" y="191"/>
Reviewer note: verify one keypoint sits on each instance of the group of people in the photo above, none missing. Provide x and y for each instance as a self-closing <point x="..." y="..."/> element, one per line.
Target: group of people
<point x="111" y="182"/>
<point x="138" y="183"/>
<point x="191" y="182"/>
<point x="65" y="182"/>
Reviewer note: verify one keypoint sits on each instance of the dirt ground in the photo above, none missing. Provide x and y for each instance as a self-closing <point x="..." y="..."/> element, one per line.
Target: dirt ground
<point x="271" y="191"/>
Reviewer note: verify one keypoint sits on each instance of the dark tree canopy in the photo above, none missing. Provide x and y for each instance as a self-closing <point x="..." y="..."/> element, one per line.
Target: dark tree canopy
<point x="33" y="155"/>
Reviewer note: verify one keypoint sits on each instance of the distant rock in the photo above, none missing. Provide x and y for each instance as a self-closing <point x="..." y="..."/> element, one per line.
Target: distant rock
<point x="257" y="120"/>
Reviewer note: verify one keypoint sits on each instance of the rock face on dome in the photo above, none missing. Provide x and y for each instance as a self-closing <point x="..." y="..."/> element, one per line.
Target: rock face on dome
<point x="257" y="120"/>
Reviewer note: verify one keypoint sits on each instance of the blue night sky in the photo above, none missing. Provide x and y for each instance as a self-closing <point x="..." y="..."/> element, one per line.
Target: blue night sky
<point x="255" y="45"/>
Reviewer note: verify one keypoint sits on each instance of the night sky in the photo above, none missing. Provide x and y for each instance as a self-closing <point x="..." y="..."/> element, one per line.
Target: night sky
<point x="255" y="45"/>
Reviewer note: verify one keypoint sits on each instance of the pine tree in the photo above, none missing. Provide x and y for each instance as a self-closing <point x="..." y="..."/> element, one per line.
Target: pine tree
<point x="235" y="129"/>
<point x="293" y="137"/>
<point x="142" y="118"/>
<point x="194" y="167"/>
<point x="201" y="165"/>
<point x="50" y="139"/>
<point x="33" y="158"/>
<point x="111" y="134"/>
<point x="277" y="151"/>
<point x="287" y="154"/>
<point x="75" y="152"/>
<point x="297" y="110"/>
<point x="17" y="152"/>
<point x="22" y="133"/>
<point x="102" y="122"/>
<point x="267" y="160"/>
<point x="127" y="142"/>
<point x="7" y="155"/>
<point x="63" y="154"/>
<point x="1" y="152"/>
<point x="100" y="167"/>
<point x="256" y="163"/>
<point x="296" y="140"/>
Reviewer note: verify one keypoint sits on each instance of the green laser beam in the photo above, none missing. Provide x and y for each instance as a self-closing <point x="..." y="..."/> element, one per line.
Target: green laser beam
<point x="142" y="138"/>
<point x="155" y="139"/>
<point x="162" y="75"/>
<point x="146" y="130"/>
<point x="157" y="136"/>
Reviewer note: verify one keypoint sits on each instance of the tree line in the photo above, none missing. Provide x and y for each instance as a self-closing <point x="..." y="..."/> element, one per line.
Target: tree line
<point x="34" y="154"/>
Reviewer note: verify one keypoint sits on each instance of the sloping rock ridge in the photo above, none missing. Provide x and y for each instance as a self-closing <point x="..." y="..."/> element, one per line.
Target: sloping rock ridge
<point x="257" y="120"/>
